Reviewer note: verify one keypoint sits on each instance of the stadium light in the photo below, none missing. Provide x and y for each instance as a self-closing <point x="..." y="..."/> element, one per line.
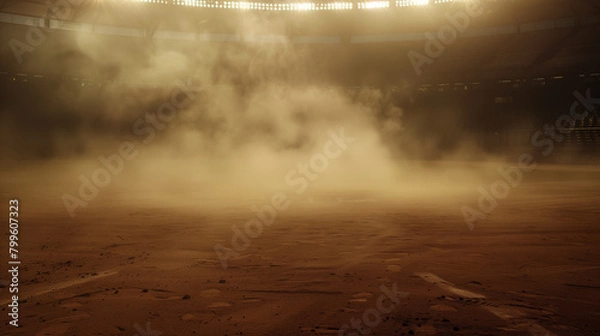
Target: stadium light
<point x="373" y="4"/>
<point x="407" y="3"/>
<point x="294" y="6"/>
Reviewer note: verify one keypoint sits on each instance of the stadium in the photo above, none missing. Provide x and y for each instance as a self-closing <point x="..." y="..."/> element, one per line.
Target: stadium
<point x="386" y="167"/>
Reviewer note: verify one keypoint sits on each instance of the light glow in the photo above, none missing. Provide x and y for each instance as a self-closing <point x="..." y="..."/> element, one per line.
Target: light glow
<point x="296" y="6"/>
<point x="248" y="5"/>
<point x="373" y="4"/>
<point x="408" y="3"/>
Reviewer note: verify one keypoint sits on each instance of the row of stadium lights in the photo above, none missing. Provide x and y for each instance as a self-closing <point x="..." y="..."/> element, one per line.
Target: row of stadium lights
<point x="293" y="6"/>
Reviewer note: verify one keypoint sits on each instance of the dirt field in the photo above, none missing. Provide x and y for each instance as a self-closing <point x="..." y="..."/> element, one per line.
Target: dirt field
<point x="330" y="264"/>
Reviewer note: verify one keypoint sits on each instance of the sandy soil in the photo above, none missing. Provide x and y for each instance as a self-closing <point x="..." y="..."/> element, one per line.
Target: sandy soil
<point x="531" y="268"/>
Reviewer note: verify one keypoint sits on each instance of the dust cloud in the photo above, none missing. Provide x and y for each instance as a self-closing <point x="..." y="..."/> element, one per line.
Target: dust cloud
<point x="216" y="122"/>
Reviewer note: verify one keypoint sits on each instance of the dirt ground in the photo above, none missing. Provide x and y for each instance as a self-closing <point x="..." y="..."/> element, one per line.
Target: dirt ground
<point x="389" y="265"/>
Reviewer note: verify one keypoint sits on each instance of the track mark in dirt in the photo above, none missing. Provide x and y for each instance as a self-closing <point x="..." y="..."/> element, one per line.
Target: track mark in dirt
<point x="220" y="304"/>
<point x="210" y="292"/>
<point x="284" y="291"/>
<point x="66" y="284"/>
<point x="514" y="316"/>
<point x="250" y="300"/>
<point x="448" y="286"/>
<point x="443" y="308"/>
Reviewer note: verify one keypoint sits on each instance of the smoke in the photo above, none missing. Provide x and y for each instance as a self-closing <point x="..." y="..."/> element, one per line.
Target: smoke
<point x="254" y="112"/>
